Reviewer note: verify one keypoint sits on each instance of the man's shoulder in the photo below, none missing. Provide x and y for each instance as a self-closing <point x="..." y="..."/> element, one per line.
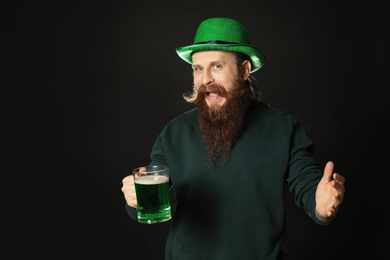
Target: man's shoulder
<point x="270" y="113"/>
<point x="183" y="121"/>
<point x="268" y="119"/>
<point x="188" y="116"/>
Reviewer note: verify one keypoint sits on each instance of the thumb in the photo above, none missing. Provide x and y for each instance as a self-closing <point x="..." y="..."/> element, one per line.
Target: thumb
<point x="328" y="171"/>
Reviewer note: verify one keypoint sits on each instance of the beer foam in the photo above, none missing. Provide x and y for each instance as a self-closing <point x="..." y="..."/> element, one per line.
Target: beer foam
<point x="149" y="180"/>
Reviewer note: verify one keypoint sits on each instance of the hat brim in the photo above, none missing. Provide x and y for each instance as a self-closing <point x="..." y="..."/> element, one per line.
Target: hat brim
<point x="257" y="57"/>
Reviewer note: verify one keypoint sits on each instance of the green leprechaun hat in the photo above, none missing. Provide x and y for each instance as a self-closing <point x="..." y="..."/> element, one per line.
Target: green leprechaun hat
<point x="222" y="34"/>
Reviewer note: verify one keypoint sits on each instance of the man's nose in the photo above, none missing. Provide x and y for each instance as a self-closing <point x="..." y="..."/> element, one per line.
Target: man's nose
<point x="207" y="78"/>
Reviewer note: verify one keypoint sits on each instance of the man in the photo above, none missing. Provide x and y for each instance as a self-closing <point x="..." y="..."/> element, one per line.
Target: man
<point x="230" y="157"/>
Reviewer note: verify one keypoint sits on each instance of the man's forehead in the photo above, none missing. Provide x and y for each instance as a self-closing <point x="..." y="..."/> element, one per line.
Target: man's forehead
<point x="212" y="56"/>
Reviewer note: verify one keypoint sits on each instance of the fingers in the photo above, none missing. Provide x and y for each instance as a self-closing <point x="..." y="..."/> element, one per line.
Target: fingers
<point x="131" y="198"/>
<point x="129" y="180"/>
<point x="128" y="190"/>
<point x="131" y="201"/>
<point x="331" y="192"/>
<point x="338" y="184"/>
<point x="139" y="173"/>
<point x="339" y="188"/>
<point x="328" y="174"/>
<point x="340" y="179"/>
<point x="338" y="197"/>
<point x="328" y="171"/>
<point x="331" y="212"/>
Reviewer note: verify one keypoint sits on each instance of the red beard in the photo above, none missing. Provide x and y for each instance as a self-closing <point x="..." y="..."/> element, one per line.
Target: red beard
<point x="221" y="125"/>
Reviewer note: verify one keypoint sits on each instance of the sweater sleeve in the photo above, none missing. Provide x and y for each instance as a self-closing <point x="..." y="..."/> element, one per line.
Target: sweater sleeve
<point x="158" y="155"/>
<point x="132" y="212"/>
<point x="304" y="173"/>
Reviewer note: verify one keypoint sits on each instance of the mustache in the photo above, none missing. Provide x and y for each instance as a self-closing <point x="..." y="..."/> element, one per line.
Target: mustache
<point x="199" y="94"/>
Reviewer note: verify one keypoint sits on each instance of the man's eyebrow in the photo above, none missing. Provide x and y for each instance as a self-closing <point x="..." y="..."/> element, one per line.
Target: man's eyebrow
<point x="217" y="61"/>
<point x="210" y="63"/>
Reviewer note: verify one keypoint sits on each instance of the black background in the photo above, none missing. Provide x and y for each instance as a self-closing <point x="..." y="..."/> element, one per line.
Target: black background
<point x="89" y="85"/>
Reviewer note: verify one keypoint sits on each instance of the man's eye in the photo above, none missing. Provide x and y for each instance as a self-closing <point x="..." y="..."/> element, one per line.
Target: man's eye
<point x="217" y="67"/>
<point x="198" y="69"/>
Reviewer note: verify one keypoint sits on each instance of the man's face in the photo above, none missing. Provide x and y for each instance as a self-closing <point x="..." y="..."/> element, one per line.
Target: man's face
<point x="222" y="98"/>
<point x="218" y="67"/>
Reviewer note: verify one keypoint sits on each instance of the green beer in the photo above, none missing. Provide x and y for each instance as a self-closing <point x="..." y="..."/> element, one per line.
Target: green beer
<point x="153" y="199"/>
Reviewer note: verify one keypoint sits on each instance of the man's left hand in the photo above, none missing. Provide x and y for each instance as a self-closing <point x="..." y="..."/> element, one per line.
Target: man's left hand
<point x="330" y="194"/>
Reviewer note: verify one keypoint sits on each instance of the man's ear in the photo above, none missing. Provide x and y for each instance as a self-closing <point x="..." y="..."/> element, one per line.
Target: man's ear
<point x="247" y="69"/>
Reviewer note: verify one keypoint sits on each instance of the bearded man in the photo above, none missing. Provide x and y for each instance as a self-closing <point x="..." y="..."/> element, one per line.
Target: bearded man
<point x="230" y="157"/>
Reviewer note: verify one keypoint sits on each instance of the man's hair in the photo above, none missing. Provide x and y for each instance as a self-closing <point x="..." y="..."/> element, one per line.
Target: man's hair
<point x="251" y="82"/>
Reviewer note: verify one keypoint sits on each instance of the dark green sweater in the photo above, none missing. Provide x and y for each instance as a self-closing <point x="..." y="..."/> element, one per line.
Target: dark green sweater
<point x="236" y="210"/>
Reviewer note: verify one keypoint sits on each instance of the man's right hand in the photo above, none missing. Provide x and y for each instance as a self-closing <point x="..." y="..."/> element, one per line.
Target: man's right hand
<point x="128" y="190"/>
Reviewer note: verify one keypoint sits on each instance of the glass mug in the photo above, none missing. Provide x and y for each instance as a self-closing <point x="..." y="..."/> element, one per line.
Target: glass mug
<point x="152" y="191"/>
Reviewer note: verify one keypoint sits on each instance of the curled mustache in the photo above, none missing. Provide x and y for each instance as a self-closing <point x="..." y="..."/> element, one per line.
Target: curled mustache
<point x="198" y="95"/>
